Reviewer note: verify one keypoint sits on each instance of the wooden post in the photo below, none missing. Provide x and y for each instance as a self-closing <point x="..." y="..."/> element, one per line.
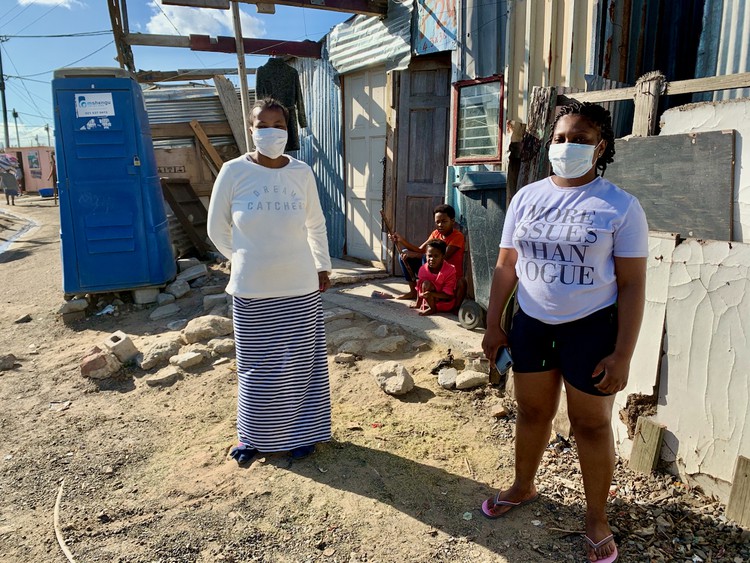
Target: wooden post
<point x="738" y="507"/>
<point x="204" y="142"/>
<point x="648" y="89"/>
<point x="646" y="445"/>
<point x="232" y="109"/>
<point x="243" y="75"/>
<point x="516" y="130"/>
<point x="534" y="163"/>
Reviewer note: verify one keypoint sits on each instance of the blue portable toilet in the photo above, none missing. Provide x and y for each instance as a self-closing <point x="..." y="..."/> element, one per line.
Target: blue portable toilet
<point x="113" y="223"/>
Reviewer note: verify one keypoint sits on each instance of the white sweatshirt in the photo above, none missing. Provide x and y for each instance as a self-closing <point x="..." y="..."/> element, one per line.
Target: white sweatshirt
<point x="270" y="223"/>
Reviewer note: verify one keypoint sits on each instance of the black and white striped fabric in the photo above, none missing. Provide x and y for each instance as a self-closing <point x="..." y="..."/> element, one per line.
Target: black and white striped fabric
<point x="283" y="399"/>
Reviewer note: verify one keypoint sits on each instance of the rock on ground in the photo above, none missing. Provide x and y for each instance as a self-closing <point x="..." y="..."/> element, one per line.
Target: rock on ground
<point x="163" y="377"/>
<point x="470" y="378"/>
<point x="186" y="360"/>
<point x="7" y="361"/>
<point x="178" y="288"/>
<point x="386" y="345"/>
<point x="354" y="333"/>
<point x="352" y="347"/>
<point x="164" y="311"/>
<point x="343" y="358"/>
<point x="206" y="328"/>
<point x="159" y="353"/>
<point x="221" y="345"/>
<point x="99" y="364"/>
<point x="74" y="305"/>
<point x="447" y="378"/>
<point x="393" y="378"/>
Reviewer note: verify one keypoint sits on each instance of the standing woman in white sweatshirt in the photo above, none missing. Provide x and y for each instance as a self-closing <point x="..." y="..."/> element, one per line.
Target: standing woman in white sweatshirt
<point x="265" y="215"/>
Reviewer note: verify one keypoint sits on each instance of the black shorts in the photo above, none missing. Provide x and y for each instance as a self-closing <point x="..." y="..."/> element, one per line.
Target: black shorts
<point x="574" y="348"/>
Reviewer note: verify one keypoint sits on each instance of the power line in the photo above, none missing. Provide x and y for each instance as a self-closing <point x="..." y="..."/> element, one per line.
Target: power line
<point x="27" y="76"/>
<point x="22" y="83"/>
<point x="19" y="13"/>
<point x="80" y="34"/>
<point x="43" y="15"/>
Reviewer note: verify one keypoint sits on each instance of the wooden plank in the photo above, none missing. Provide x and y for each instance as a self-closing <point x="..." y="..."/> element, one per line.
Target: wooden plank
<point x="272" y="47"/>
<point x="709" y="84"/>
<point x="534" y="161"/>
<point x="154" y="40"/>
<point x="648" y="90"/>
<point x="176" y="130"/>
<point x="206" y="144"/>
<point x="189" y="210"/>
<point x="232" y="109"/>
<point x="646" y="445"/>
<point x="184" y="74"/>
<point x="738" y="507"/>
<point x="692" y="86"/>
<point x="691" y="192"/>
<point x="352" y="6"/>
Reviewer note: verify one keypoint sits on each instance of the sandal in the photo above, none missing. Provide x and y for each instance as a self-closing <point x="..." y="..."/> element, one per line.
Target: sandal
<point x="302" y="452"/>
<point x="596" y="545"/>
<point x="488" y="511"/>
<point x="243" y="454"/>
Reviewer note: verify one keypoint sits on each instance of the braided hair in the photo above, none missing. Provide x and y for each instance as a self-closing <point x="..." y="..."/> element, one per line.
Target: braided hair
<point x="598" y="116"/>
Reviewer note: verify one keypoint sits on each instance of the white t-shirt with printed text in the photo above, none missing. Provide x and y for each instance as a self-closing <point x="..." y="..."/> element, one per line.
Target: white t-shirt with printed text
<point x="566" y="239"/>
<point x="270" y="223"/>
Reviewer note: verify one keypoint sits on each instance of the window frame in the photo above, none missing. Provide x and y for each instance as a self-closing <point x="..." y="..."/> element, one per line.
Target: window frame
<point x="488" y="159"/>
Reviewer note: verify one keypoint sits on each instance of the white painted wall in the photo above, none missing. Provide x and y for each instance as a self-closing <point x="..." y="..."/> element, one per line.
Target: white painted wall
<point x="719" y="116"/>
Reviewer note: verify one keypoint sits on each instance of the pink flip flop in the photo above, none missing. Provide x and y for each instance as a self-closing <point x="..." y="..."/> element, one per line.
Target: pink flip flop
<point x="487" y="510"/>
<point x="596" y="545"/>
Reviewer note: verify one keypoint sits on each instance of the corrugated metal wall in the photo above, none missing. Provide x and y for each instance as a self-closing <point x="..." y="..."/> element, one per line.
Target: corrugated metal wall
<point x="364" y="41"/>
<point x="724" y="45"/>
<point x="482" y="32"/>
<point x="321" y="143"/>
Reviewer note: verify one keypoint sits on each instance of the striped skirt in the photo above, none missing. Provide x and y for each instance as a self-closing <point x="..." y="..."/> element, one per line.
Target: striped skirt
<point x="283" y="399"/>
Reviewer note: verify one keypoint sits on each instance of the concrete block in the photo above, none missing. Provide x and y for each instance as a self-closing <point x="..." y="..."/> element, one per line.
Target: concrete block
<point x="187" y="263"/>
<point x="193" y="273"/>
<point x="213" y="289"/>
<point x="121" y="346"/>
<point x="145" y="296"/>
<point x="74" y="305"/>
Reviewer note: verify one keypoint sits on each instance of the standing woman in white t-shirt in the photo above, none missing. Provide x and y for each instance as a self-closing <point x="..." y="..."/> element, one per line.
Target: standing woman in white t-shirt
<point x="576" y="245"/>
<point x="265" y="215"/>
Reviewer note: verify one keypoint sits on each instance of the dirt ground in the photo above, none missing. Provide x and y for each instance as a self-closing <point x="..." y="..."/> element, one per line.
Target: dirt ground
<point x="147" y="477"/>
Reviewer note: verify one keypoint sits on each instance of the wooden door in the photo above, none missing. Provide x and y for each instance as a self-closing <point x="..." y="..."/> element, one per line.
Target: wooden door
<point x="364" y="151"/>
<point x="423" y="121"/>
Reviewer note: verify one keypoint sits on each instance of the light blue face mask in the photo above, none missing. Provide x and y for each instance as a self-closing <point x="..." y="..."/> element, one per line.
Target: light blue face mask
<point x="571" y="160"/>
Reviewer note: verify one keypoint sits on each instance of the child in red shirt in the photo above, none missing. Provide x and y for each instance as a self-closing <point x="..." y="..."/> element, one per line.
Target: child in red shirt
<point x="445" y="221"/>
<point x="436" y="282"/>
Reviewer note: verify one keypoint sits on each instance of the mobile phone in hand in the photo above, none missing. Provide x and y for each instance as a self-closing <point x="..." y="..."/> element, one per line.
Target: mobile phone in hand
<point x="504" y="360"/>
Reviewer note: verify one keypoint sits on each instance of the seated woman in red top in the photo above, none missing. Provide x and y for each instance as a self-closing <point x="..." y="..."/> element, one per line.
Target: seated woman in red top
<point x="436" y="281"/>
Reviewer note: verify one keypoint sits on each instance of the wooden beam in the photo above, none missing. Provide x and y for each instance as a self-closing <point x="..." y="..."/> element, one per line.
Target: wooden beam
<point x="219" y="4"/>
<point x="181" y="130"/>
<point x="200" y="134"/>
<point x="646" y="445"/>
<point x="124" y="52"/>
<point x="367" y="7"/>
<point x="184" y="74"/>
<point x="692" y="86"/>
<point x="709" y="84"/>
<point x="738" y="507"/>
<point x="534" y="163"/>
<point x="232" y="109"/>
<point x="270" y="47"/>
<point x="648" y="90"/>
<point x="153" y="40"/>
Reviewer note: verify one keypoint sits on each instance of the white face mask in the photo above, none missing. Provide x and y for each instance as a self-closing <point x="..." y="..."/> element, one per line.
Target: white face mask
<point x="571" y="160"/>
<point x="270" y="141"/>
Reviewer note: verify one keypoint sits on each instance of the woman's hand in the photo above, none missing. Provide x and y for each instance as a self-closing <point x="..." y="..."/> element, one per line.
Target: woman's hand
<point x="494" y="339"/>
<point x="324" y="281"/>
<point x="616" y="369"/>
<point x="395" y="238"/>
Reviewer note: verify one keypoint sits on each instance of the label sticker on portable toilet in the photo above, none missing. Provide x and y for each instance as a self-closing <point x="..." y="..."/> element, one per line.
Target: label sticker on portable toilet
<point x="94" y="105"/>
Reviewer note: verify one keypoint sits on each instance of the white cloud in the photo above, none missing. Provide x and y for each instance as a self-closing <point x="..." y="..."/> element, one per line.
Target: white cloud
<point x="200" y="21"/>
<point x="62" y="3"/>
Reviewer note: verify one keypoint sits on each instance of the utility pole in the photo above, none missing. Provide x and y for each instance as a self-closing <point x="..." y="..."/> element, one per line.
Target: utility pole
<point x="46" y="128"/>
<point x="15" y="120"/>
<point x="2" y="94"/>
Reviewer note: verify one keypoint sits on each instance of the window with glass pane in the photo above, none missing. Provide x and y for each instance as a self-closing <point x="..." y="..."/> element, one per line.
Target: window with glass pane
<point x="478" y="121"/>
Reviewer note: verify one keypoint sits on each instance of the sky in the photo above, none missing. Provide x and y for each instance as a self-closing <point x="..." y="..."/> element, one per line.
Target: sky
<point x="30" y="54"/>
